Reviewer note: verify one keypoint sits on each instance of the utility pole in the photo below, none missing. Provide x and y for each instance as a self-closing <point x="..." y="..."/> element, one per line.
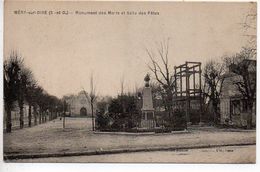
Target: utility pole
<point x="92" y="115"/>
<point x="64" y="103"/>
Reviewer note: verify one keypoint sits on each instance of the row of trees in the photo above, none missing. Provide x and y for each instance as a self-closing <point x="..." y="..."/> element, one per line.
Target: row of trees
<point x="20" y="87"/>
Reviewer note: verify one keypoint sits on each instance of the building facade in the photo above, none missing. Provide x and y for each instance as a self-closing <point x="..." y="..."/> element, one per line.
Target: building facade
<point x="233" y="106"/>
<point x="78" y="105"/>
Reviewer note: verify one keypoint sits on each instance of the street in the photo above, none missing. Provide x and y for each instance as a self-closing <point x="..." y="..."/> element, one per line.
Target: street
<point x="50" y="137"/>
<point x="229" y="154"/>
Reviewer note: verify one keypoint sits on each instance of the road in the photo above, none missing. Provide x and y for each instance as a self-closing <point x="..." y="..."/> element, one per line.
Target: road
<point x="229" y="154"/>
<point x="50" y="137"/>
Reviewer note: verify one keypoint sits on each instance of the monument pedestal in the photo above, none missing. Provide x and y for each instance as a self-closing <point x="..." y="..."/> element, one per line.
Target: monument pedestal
<point x="147" y="120"/>
<point x="201" y="124"/>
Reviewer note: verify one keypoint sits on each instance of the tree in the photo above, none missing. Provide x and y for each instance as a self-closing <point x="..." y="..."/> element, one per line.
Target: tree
<point x="11" y="80"/>
<point x="115" y="108"/>
<point x="36" y="99"/>
<point x="249" y="25"/>
<point x="213" y="78"/>
<point x="91" y="97"/>
<point x="158" y="95"/>
<point x="123" y="111"/>
<point x="122" y="84"/>
<point x="102" y="104"/>
<point x="162" y="72"/>
<point x="29" y="96"/>
<point x="43" y="105"/>
<point x="243" y="65"/>
<point x="25" y="82"/>
<point x="53" y="105"/>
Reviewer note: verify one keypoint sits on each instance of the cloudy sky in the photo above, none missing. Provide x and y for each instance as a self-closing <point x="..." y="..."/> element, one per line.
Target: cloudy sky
<point x="63" y="50"/>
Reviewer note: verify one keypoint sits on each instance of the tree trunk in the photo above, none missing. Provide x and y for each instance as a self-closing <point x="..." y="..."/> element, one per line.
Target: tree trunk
<point x="215" y="113"/>
<point x="8" y="120"/>
<point x="169" y="102"/>
<point x="21" y="116"/>
<point x="50" y="117"/>
<point x="44" y="117"/>
<point x="30" y="116"/>
<point x="35" y="115"/>
<point x="64" y="120"/>
<point x="40" y="117"/>
<point x="250" y="114"/>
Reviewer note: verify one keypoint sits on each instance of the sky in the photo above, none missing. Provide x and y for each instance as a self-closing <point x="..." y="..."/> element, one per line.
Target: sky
<point x="64" y="50"/>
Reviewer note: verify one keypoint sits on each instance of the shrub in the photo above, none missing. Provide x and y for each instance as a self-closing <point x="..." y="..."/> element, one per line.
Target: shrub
<point x="102" y="121"/>
<point x="176" y="122"/>
<point x="180" y="122"/>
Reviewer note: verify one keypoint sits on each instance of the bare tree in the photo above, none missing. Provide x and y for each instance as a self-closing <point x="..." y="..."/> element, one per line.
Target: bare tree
<point x="162" y="71"/>
<point x="65" y="108"/>
<point x="11" y="80"/>
<point x="158" y="95"/>
<point x="122" y="84"/>
<point x="91" y="97"/>
<point x="249" y="26"/>
<point x="25" y="82"/>
<point x="26" y="91"/>
<point x="37" y="95"/>
<point x="29" y="96"/>
<point x="213" y="80"/>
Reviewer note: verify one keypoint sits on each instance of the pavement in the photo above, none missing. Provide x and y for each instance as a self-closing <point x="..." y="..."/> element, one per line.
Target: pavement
<point x="51" y="140"/>
<point x="228" y="154"/>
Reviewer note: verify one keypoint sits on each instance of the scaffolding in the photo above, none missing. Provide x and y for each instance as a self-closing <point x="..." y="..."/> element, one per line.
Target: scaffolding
<point x="188" y="86"/>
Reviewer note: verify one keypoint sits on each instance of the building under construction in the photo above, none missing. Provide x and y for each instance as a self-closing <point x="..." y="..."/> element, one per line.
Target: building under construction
<point x="188" y="92"/>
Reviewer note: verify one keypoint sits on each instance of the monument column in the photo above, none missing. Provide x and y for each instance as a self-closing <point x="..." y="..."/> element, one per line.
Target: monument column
<point x="147" y="120"/>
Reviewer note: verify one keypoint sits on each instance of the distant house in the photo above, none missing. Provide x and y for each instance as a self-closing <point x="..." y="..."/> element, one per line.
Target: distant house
<point x="233" y="106"/>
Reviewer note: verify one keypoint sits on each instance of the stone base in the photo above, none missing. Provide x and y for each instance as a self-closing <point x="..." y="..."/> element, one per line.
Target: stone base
<point x="189" y="123"/>
<point x="201" y="123"/>
<point x="147" y="120"/>
<point x="147" y="123"/>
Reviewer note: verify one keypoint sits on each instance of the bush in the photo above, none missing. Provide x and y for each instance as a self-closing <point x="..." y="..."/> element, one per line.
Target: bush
<point x="180" y="122"/>
<point x="175" y="122"/>
<point x="194" y="116"/>
<point x="102" y="121"/>
<point x="124" y="121"/>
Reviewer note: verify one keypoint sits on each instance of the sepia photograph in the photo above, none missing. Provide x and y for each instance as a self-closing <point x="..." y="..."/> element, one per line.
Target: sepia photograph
<point x="129" y="82"/>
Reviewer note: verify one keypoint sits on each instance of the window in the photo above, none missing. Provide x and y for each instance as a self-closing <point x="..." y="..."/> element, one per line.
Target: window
<point x="235" y="107"/>
<point x="244" y="106"/>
